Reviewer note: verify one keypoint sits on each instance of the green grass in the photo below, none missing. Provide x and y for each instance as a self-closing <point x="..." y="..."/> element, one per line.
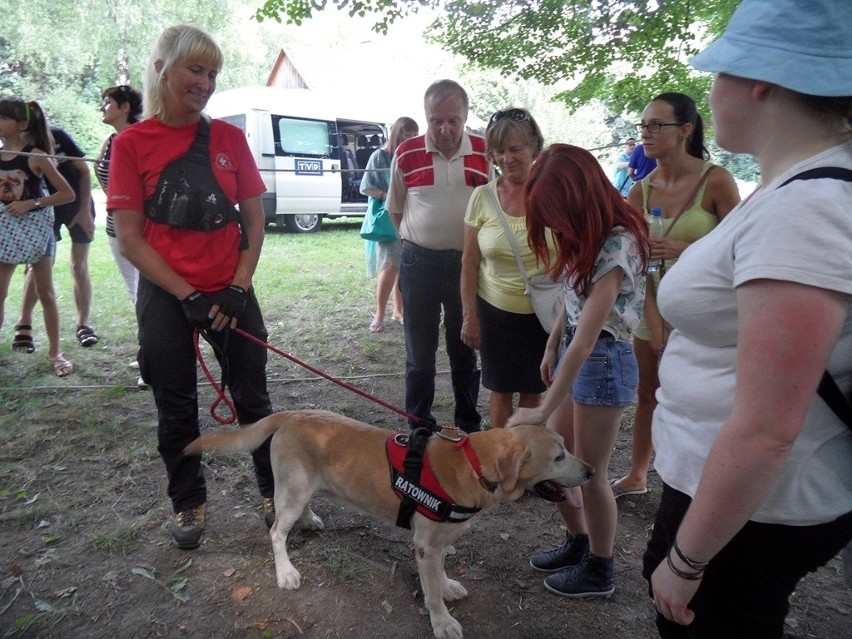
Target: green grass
<point x="316" y="300"/>
<point x="122" y="540"/>
<point x="303" y="283"/>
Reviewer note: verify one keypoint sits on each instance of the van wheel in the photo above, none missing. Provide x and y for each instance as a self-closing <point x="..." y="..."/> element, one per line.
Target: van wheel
<point x="306" y="223"/>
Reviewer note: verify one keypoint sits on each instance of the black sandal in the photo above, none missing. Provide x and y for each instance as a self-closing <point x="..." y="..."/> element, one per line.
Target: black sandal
<point x="86" y="336"/>
<point x="23" y="343"/>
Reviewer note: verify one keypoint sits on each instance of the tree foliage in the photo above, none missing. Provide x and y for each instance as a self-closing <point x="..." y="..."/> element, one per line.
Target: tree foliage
<point x="63" y="53"/>
<point x="622" y="52"/>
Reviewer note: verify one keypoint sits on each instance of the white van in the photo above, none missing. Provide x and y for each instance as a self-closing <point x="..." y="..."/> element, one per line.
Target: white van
<point x="304" y="144"/>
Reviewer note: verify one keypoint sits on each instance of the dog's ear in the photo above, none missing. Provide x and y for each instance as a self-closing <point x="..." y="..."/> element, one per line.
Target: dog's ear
<point x="509" y="463"/>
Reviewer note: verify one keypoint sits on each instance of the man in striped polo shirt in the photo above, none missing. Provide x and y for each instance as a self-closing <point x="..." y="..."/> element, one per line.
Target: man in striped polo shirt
<point x="432" y="177"/>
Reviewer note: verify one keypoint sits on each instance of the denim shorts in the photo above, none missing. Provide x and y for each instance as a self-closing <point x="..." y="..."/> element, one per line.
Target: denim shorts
<point x="50" y="251"/>
<point x="609" y="376"/>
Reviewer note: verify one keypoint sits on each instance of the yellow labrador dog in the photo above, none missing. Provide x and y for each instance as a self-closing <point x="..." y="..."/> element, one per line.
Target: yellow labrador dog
<point x="313" y="450"/>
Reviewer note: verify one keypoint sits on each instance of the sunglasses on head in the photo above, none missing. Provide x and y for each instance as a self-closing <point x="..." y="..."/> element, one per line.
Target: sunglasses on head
<point x="518" y="115"/>
<point x="122" y="90"/>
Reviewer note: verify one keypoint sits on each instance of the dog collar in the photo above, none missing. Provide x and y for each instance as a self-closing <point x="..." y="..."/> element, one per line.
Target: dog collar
<point x="464" y="444"/>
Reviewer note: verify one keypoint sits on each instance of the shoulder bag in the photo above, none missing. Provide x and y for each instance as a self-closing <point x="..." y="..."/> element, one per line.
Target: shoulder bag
<point x="377" y="225"/>
<point x="546" y="294"/>
<point x="689" y="201"/>
<point x="24" y="238"/>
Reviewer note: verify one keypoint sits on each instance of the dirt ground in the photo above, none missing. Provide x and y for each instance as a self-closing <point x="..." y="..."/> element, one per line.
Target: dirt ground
<point x="85" y="553"/>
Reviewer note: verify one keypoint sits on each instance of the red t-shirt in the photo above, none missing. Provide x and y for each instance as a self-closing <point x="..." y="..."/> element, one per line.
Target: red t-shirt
<point x="207" y="260"/>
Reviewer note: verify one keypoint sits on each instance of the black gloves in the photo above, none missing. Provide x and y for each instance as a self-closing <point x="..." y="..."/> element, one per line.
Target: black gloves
<point x="196" y="307"/>
<point x="231" y="301"/>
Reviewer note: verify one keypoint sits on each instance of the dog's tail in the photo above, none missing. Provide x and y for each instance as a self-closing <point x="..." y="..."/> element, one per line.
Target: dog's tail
<point x="244" y="439"/>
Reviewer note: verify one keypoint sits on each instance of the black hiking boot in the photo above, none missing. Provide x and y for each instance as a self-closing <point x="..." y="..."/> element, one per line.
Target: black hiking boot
<point x="186" y="527"/>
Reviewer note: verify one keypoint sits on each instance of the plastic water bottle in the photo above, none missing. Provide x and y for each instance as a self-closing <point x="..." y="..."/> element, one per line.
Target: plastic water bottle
<point x="657" y="230"/>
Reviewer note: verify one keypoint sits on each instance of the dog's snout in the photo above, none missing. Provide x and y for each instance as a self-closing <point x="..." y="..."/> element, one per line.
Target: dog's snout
<point x="590" y="472"/>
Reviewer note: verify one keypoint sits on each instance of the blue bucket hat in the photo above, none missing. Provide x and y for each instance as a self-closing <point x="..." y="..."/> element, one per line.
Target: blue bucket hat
<point x="803" y="45"/>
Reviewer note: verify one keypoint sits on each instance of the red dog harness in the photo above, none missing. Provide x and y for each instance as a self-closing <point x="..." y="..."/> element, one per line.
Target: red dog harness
<point x="414" y="482"/>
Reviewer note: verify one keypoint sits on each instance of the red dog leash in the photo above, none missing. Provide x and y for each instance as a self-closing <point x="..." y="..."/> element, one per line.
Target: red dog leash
<point x="339" y="382"/>
<point x="222" y="398"/>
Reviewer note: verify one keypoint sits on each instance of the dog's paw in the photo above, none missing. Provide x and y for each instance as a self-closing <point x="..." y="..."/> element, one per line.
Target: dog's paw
<point x="289" y="579"/>
<point x="311" y="521"/>
<point x="447" y="628"/>
<point x="453" y="590"/>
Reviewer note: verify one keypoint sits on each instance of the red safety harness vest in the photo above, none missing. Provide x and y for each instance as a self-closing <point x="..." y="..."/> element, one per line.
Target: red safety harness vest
<point x="414" y="482"/>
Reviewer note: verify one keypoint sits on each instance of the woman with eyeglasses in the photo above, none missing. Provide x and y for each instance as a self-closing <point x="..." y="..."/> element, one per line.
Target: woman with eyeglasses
<point x="498" y="318"/>
<point x="694" y="195"/>
<point x="121" y="107"/>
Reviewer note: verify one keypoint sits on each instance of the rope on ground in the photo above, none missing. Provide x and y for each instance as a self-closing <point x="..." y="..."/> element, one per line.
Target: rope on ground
<point x="201" y="382"/>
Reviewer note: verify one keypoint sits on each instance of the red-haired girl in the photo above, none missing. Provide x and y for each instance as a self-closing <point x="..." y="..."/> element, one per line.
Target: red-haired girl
<point x="601" y="250"/>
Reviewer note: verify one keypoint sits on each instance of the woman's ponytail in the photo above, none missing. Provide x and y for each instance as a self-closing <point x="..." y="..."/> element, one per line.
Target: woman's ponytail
<point x="37" y="128"/>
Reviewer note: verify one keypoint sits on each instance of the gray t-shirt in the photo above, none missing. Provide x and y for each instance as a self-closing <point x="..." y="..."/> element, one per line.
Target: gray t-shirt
<point x="799" y="233"/>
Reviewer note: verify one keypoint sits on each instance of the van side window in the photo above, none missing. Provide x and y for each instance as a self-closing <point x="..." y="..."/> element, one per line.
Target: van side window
<point x="304" y="138"/>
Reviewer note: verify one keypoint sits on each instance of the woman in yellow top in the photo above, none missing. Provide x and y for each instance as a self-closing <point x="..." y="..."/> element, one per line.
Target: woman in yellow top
<point x="694" y="195"/>
<point x="498" y="318"/>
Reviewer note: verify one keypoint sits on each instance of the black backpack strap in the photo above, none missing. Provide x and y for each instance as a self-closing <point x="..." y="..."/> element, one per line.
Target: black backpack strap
<point x="828" y="389"/>
<point x="199" y="150"/>
<point x="831" y="394"/>
<point x="822" y="172"/>
<point x="412" y="466"/>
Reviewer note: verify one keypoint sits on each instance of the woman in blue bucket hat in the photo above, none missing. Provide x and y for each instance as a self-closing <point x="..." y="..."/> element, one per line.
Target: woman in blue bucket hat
<point x="756" y="467"/>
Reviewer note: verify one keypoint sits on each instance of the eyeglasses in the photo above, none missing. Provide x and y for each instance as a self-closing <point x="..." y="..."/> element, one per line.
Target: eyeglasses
<point x="656" y="127"/>
<point x="518" y="115"/>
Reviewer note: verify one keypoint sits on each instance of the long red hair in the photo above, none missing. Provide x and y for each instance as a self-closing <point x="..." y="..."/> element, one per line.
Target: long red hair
<point x="568" y="192"/>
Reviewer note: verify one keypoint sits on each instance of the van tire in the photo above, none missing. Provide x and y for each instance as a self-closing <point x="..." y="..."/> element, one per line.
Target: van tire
<point x="304" y="223"/>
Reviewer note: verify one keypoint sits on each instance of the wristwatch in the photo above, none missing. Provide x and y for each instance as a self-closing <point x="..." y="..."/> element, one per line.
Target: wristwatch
<point x="37" y="203"/>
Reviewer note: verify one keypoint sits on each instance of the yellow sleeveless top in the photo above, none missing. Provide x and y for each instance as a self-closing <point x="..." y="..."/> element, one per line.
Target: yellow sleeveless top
<point x="694" y="222"/>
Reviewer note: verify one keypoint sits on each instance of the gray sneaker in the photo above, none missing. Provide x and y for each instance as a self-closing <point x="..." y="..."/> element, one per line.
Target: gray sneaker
<point x="186" y="527"/>
<point x="571" y="553"/>
<point x="593" y="577"/>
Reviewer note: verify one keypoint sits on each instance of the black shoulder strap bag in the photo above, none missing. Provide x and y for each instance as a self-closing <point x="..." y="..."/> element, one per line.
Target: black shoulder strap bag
<point x="187" y="194"/>
<point x="828" y="389"/>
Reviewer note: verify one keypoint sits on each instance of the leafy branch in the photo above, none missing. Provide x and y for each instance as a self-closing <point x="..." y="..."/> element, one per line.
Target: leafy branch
<point x="622" y="52"/>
